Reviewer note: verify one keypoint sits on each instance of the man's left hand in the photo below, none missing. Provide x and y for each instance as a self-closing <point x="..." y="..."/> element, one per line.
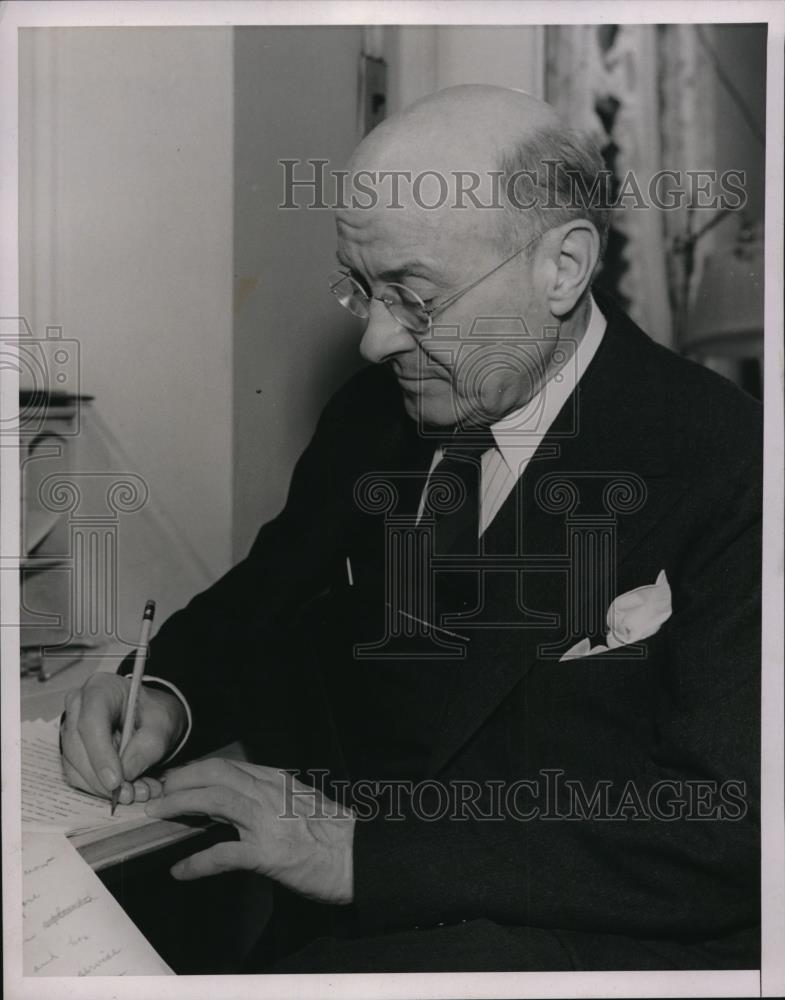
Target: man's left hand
<point x="288" y="831"/>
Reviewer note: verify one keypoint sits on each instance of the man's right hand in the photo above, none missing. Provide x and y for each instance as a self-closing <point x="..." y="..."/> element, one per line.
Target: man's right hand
<point x="90" y="737"/>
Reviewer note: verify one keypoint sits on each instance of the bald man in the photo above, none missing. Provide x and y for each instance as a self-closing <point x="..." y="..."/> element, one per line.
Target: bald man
<point x="496" y="663"/>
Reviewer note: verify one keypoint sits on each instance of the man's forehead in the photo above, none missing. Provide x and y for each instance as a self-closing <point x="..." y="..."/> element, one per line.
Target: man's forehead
<point x="435" y="136"/>
<point x="393" y="257"/>
<point x="394" y="248"/>
<point x="434" y="169"/>
<point x="365" y="225"/>
<point x="433" y="229"/>
<point x="429" y="183"/>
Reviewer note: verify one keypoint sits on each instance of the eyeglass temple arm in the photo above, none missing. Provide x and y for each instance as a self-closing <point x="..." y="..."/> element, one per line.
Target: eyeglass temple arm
<point x="454" y="298"/>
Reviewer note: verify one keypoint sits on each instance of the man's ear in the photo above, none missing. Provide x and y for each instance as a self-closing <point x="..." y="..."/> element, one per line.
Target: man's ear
<point x="576" y="249"/>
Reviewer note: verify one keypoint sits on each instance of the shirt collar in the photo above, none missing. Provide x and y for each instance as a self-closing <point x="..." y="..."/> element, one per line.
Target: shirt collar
<point x="519" y="434"/>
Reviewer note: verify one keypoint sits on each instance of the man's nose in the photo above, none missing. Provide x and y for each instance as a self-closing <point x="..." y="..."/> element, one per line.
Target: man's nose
<point x="384" y="336"/>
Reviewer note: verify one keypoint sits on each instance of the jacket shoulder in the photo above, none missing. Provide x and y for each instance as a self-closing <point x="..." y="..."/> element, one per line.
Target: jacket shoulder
<point x="369" y="393"/>
<point x="705" y="419"/>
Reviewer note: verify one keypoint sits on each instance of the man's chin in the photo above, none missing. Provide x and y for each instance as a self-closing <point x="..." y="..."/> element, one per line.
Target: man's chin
<point x="428" y="407"/>
<point x="432" y="404"/>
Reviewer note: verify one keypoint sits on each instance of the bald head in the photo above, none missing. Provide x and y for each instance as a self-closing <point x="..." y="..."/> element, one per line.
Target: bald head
<point x="491" y="147"/>
<point x="437" y="240"/>
<point x="459" y="128"/>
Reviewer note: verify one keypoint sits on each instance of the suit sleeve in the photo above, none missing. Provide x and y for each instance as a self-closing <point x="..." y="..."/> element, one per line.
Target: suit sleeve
<point x="215" y="650"/>
<point x="688" y="875"/>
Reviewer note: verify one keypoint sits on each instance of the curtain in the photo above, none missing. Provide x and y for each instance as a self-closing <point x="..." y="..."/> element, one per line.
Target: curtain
<point x="646" y="94"/>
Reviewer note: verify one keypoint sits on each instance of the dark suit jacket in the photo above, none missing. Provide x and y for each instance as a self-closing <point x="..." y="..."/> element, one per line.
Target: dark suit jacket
<point x="673" y="453"/>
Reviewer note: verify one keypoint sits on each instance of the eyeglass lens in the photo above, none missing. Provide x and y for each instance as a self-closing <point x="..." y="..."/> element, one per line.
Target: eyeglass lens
<point x="405" y="306"/>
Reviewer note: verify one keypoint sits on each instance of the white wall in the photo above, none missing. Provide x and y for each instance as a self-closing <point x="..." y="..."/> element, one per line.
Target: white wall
<point x="151" y="234"/>
<point x="425" y="59"/>
<point x="295" y="97"/>
<point x="509" y="56"/>
<point x="126" y="230"/>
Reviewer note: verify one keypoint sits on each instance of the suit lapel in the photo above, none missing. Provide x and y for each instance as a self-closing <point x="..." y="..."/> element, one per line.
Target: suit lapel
<point x="605" y="452"/>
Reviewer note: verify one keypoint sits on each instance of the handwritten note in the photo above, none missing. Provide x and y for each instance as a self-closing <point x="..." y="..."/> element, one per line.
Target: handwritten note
<point x="71" y="926"/>
<point x="49" y="802"/>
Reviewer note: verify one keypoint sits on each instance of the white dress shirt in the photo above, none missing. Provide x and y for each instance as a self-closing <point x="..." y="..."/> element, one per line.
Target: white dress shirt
<point x="519" y="434"/>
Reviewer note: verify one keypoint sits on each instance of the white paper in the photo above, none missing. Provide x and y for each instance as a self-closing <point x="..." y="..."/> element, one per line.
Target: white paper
<point x="50" y="803"/>
<point x="71" y="925"/>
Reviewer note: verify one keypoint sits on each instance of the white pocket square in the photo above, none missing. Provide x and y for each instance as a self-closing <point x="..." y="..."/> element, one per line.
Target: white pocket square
<point x="633" y="616"/>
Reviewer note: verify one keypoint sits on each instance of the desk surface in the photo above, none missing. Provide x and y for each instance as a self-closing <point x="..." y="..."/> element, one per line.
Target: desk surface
<point x="106" y="852"/>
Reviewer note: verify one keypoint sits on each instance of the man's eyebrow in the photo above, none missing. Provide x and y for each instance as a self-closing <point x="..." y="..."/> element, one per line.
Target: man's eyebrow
<point x="408" y="269"/>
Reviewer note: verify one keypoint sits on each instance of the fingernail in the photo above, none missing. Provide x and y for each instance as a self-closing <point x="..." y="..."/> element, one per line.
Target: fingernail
<point x="109" y="779"/>
<point x="176" y="870"/>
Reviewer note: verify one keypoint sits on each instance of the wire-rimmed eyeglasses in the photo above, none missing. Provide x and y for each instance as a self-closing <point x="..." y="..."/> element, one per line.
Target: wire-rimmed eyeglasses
<point x="405" y="306"/>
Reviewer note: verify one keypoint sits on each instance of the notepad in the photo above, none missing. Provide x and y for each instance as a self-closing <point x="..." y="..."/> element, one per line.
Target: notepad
<point x="71" y="925"/>
<point x="49" y="803"/>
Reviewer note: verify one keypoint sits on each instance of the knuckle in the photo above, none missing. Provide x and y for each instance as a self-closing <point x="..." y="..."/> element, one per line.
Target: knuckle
<point x="217" y="769"/>
<point x="102" y="690"/>
<point x="85" y="727"/>
<point x="97" y="683"/>
<point x="223" y="797"/>
<point x="223" y="855"/>
<point x="277" y="797"/>
<point x="259" y="816"/>
<point x="154" y="786"/>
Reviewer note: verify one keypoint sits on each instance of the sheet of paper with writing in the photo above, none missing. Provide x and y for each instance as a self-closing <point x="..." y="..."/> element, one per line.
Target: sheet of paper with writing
<point x="71" y="926"/>
<point x="49" y="802"/>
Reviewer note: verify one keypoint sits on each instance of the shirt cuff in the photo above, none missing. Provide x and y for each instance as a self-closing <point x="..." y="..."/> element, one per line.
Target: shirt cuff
<point x="147" y="678"/>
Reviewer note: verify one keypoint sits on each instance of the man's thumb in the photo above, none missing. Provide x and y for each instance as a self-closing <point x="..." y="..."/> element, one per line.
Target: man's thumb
<point x="145" y="749"/>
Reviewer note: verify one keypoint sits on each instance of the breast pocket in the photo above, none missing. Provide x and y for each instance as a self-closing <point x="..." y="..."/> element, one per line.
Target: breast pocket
<point x="595" y="716"/>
